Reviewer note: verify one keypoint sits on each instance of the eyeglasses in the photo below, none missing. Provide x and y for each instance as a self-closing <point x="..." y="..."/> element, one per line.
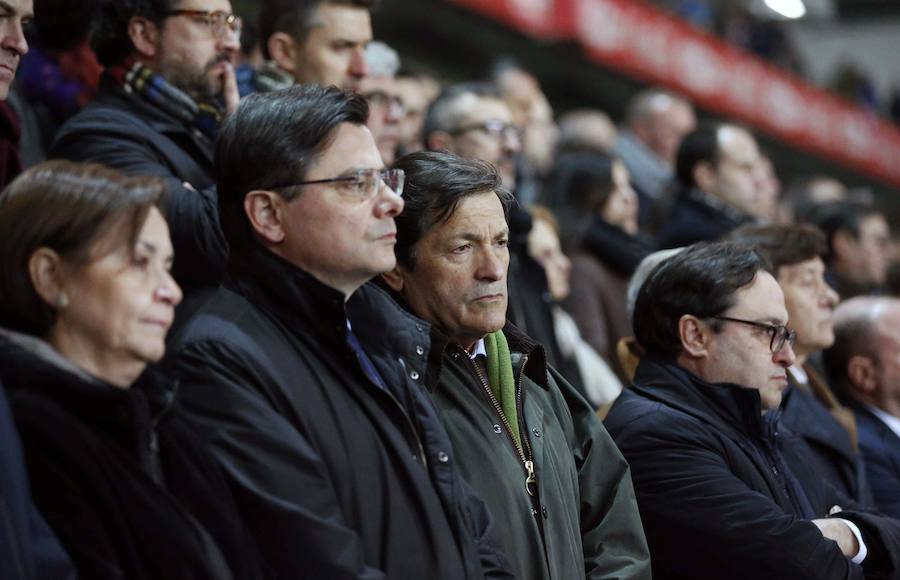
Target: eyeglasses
<point x="363" y="184"/>
<point x="778" y="333"/>
<point x="494" y="127"/>
<point x="220" y="23"/>
<point x="380" y="99"/>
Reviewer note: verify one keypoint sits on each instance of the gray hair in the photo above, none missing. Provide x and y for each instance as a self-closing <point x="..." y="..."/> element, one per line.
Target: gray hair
<point x="640" y="275"/>
<point x="381" y="60"/>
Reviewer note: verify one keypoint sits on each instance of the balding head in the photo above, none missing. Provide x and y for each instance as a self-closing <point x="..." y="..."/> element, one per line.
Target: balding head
<point x="865" y="357"/>
<point x="661" y="120"/>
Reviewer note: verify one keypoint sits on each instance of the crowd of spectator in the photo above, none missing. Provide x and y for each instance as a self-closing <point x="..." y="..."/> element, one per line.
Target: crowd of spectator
<point x="301" y="313"/>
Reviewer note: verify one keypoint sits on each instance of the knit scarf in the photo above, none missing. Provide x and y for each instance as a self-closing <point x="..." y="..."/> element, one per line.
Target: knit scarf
<point x="141" y="80"/>
<point x="501" y="379"/>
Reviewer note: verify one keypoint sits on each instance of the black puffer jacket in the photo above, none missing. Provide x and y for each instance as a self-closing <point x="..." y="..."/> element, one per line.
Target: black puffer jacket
<point x="715" y="496"/>
<point x="338" y="477"/>
<point x="118" y="476"/>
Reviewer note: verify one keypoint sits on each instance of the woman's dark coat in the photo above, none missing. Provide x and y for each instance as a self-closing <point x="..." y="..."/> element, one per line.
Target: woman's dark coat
<point x="118" y="476"/>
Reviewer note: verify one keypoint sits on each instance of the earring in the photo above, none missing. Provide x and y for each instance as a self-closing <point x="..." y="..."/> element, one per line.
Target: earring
<point x="62" y="301"/>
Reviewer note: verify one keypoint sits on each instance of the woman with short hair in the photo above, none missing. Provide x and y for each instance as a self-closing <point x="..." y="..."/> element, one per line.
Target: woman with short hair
<point x="86" y="299"/>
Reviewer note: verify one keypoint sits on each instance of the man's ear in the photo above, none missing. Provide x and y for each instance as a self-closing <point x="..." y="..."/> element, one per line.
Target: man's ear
<point x="45" y="268"/>
<point x="439" y="141"/>
<point x="283" y="50"/>
<point x="265" y="210"/>
<point x="145" y="36"/>
<point x="705" y="176"/>
<point x="394" y="279"/>
<point x="861" y="372"/>
<point x="695" y="336"/>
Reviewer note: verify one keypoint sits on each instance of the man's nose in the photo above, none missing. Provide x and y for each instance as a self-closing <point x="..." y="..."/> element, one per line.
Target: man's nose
<point x="358" y="67"/>
<point x="491" y="267"/>
<point x="14" y="37"/>
<point x="786" y="356"/>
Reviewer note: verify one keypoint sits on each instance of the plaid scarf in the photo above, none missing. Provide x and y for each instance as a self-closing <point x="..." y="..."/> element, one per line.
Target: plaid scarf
<point x="140" y="79"/>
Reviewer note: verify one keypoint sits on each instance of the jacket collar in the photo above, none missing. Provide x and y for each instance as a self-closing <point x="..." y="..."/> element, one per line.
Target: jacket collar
<point x="519" y="343"/>
<point x="31" y="364"/>
<point x="724" y="405"/>
<point x="300" y="301"/>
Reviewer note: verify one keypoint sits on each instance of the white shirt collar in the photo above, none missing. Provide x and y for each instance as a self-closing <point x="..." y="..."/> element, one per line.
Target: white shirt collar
<point x="892" y="422"/>
<point x="479" y="349"/>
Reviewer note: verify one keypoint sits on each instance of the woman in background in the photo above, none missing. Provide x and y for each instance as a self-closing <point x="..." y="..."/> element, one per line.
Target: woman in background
<point x="591" y="196"/>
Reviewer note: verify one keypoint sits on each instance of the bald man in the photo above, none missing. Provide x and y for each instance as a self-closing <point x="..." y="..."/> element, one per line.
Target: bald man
<point x="865" y="363"/>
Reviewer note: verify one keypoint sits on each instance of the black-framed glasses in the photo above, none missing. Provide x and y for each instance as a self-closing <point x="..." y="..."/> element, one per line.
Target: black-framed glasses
<point x="363" y="184"/>
<point x="220" y="23"/>
<point x="779" y="334"/>
<point x="494" y="127"/>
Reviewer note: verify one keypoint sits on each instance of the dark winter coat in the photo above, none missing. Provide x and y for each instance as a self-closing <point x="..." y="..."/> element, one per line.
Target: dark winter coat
<point x="582" y="521"/>
<point x="338" y="477"/>
<point x="880" y="448"/>
<point x="28" y="548"/>
<point x="118" y="476"/>
<point x="698" y="217"/>
<point x="825" y="446"/>
<point x="125" y="132"/>
<point x="716" y="498"/>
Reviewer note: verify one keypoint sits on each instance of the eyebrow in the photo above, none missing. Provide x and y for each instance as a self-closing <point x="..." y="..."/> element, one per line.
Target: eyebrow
<point x="472" y="237"/>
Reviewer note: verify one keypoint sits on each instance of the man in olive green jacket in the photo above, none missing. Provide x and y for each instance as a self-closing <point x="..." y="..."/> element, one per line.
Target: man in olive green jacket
<point x="530" y="445"/>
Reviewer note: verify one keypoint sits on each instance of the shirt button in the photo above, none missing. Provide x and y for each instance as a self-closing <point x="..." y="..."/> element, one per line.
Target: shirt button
<point x="419" y="327"/>
<point x="443" y="457"/>
<point x="414" y="375"/>
<point x="537" y="432"/>
<point x="498" y="429"/>
<point x="420" y="351"/>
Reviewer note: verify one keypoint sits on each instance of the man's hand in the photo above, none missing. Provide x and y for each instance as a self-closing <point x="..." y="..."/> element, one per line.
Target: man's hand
<point x="230" y="88"/>
<point x="838" y="531"/>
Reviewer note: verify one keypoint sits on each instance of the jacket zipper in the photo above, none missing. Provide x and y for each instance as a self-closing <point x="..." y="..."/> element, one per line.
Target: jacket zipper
<point x="525" y="454"/>
<point x="412" y="429"/>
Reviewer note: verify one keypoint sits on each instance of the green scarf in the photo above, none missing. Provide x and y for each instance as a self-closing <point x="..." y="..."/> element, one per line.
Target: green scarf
<point x="501" y="379"/>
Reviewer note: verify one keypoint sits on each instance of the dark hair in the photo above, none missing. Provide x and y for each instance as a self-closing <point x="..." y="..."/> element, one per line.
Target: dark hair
<point x="841" y="216"/>
<point x="109" y="38"/>
<point x="271" y="140"/>
<point x="783" y="245"/>
<point x="69" y="208"/>
<point x="702" y="144"/>
<point x="59" y="27"/>
<point x="295" y="17"/>
<point x="700" y="281"/>
<point x="577" y="188"/>
<point x="441" y="115"/>
<point x="436" y="182"/>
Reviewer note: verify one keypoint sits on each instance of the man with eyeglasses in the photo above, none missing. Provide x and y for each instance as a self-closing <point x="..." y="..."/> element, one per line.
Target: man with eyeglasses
<point x="382" y="92"/>
<point x="700" y="428"/>
<point x="307" y="382"/>
<point x="168" y="83"/>
<point x="826" y="430"/>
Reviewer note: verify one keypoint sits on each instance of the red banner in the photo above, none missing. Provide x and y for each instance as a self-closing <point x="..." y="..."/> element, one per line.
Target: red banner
<point x="647" y="43"/>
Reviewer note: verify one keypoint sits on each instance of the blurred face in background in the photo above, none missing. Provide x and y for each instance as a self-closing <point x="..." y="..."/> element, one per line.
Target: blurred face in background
<point x="545" y="249"/>
<point x="14" y="16"/>
<point x="810" y="303"/>
<point x="485" y="131"/>
<point x="621" y="208"/>
<point x="385" y="113"/>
